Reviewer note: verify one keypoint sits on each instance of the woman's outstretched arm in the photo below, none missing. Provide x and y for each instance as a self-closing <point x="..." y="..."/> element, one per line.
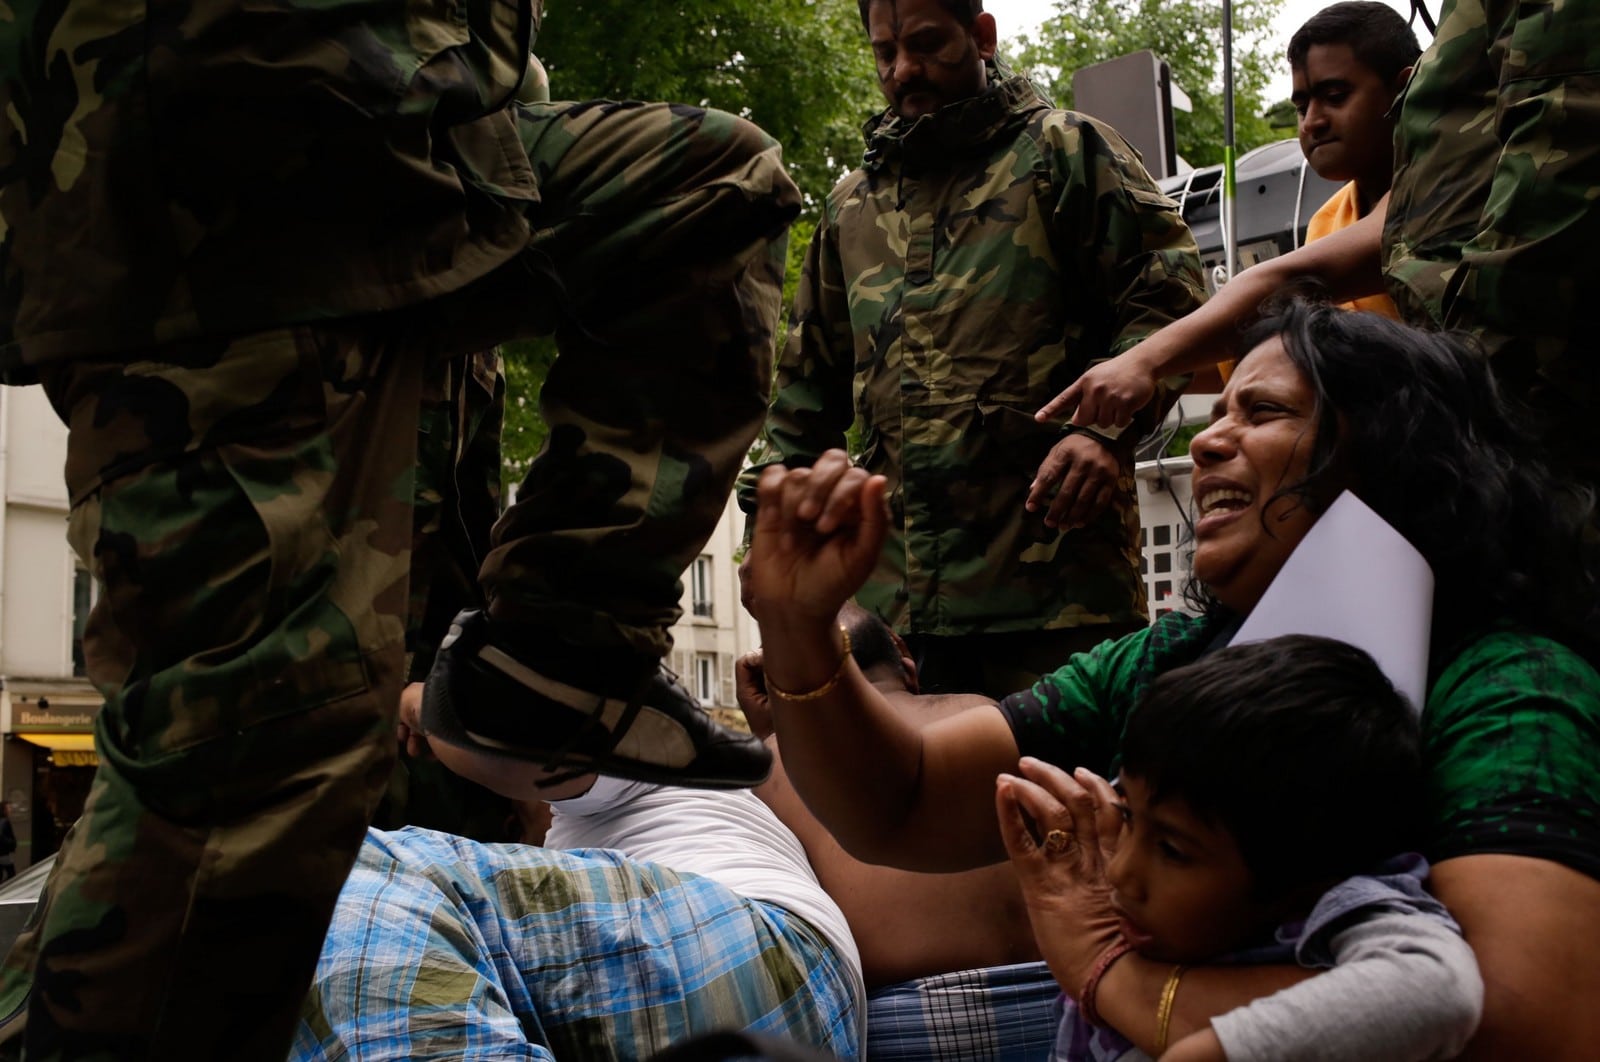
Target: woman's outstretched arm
<point x="891" y="793"/>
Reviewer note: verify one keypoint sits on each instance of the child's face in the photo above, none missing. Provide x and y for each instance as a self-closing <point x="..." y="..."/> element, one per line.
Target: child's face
<point x="1180" y="884"/>
<point x="1343" y="107"/>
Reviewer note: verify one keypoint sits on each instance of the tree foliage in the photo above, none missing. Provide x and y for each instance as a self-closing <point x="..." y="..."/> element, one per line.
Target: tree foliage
<point x="1188" y="35"/>
<point x="799" y="69"/>
<point x="527" y="363"/>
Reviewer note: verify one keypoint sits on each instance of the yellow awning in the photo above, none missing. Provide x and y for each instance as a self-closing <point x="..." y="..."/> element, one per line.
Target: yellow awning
<point x="60" y="742"/>
<point x="68" y="750"/>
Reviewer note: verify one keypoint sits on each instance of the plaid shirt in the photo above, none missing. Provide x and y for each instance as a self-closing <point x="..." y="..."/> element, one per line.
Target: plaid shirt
<point x="445" y="948"/>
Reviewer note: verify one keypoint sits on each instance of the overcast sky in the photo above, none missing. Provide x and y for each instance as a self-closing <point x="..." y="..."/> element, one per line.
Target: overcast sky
<point x="1018" y="16"/>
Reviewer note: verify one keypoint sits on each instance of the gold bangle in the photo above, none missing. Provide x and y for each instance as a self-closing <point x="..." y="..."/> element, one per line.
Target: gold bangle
<point x="824" y="689"/>
<point x="1169" y="994"/>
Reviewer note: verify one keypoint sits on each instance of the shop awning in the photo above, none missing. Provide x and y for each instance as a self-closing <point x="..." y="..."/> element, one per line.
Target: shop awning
<point x="67" y="750"/>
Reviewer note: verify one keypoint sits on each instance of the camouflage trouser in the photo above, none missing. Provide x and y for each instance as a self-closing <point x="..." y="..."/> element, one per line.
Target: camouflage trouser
<point x="247" y="505"/>
<point x="457" y="500"/>
<point x="457" y="496"/>
<point x="1496" y="203"/>
<point x="663" y="376"/>
<point x="999" y="665"/>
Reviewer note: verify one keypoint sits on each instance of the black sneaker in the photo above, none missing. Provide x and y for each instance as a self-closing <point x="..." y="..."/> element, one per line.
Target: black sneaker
<point x="478" y="695"/>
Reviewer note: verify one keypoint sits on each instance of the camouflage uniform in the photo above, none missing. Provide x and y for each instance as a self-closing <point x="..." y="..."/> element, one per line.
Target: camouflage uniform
<point x="236" y="243"/>
<point x="1494" y="208"/>
<point x="976" y="264"/>
<point x="457" y="500"/>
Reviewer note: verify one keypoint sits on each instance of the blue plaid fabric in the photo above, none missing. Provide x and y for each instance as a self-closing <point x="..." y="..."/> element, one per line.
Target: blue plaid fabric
<point x="445" y="948"/>
<point x="998" y="1014"/>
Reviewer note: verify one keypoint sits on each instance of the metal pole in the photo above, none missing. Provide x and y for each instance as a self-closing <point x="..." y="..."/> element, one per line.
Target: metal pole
<point x="1230" y="231"/>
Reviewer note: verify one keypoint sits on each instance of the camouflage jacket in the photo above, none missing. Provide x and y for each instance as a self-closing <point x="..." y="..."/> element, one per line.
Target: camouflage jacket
<point x="980" y="259"/>
<point x="208" y="167"/>
<point x="1494" y="205"/>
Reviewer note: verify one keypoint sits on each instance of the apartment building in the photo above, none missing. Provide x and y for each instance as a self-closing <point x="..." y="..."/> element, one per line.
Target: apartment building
<point x="715" y="629"/>
<point x="47" y="708"/>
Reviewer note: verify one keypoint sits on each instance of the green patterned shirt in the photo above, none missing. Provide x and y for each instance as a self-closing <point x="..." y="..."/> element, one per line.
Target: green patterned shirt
<point x="1510" y="735"/>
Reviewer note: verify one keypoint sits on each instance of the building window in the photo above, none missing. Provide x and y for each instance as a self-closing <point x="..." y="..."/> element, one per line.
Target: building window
<point x="705" y="678"/>
<point x="700" y="584"/>
<point x="84" y="595"/>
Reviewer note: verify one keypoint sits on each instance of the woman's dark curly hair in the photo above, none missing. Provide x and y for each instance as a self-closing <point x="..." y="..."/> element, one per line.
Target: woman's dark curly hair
<point x="1415" y="425"/>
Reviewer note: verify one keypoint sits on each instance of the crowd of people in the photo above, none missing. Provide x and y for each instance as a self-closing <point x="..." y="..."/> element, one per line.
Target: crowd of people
<point x="986" y="808"/>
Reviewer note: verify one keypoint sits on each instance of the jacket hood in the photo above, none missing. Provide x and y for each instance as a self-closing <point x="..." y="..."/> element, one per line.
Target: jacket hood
<point x="956" y="127"/>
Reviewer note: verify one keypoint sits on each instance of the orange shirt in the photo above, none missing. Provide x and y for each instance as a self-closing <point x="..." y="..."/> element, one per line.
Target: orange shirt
<point x="1342" y="211"/>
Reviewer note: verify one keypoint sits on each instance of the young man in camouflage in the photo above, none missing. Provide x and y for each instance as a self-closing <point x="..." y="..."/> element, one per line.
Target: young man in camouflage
<point x="239" y="244"/>
<point x="987" y="251"/>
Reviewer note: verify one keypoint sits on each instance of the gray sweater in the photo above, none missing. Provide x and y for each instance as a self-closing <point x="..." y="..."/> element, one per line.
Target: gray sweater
<point x="1402" y="988"/>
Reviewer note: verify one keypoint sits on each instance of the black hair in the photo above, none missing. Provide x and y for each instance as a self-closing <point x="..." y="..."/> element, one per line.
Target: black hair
<point x="965" y="12"/>
<point x="1415" y="424"/>
<point x="1298" y="747"/>
<point x="1375" y="33"/>
<point x="871" y="642"/>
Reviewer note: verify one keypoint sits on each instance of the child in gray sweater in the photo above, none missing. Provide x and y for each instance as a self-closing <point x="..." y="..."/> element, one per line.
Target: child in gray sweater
<point x="1264" y="792"/>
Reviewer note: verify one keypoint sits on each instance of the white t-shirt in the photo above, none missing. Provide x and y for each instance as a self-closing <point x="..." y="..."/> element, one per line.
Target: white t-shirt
<point x="729" y="836"/>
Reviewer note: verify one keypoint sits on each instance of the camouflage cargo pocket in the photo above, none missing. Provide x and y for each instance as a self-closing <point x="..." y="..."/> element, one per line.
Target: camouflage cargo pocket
<point x="210" y="504"/>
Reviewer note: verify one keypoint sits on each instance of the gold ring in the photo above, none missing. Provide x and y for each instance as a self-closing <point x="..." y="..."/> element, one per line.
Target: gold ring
<point x="1057" y="842"/>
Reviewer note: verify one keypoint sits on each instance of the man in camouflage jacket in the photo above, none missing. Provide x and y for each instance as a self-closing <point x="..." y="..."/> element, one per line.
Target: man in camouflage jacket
<point x="239" y="245"/>
<point x="987" y="251"/>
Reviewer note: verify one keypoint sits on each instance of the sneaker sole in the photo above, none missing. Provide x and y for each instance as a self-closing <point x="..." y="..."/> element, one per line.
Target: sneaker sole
<point x="440" y="717"/>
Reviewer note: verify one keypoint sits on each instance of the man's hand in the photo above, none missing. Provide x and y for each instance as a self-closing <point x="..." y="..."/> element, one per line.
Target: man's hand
<point x="750" y="687"/>
<point x="408" y="729"/>
<point x="1108" y="394"/>
<point x="1082" y="473"/>
<point x="819" y="532"/>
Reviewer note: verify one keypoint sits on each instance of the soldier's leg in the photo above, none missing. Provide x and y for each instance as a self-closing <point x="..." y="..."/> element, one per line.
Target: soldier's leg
<point x="998" y="665"/>
<point x="457" y="503"/>
<point x="665" y="226"/>
<point x="662" y="226"/>
<point x="246" y="507"/>
<point x="1021" y="658"/>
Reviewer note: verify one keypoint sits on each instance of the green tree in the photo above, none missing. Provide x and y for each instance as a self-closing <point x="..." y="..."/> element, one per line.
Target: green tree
<point x="799" y="69"/>
<point x="527" y="364"/>
<point x="1282" y="117"/>
<point x="528" y="361"/>
<point x="1188" y="35"/>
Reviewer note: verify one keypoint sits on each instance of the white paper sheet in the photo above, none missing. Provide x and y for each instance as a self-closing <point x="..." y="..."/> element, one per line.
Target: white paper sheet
<point x="1354" y="578"/>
